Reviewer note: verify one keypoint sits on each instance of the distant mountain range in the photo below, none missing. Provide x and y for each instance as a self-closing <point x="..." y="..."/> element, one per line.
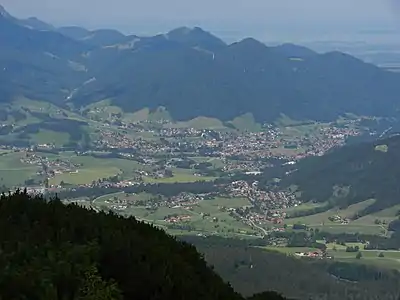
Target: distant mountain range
<point x="190" y="72"/>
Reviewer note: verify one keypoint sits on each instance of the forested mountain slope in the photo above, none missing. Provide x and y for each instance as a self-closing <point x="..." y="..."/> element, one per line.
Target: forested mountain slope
<point x="251" y="269"/>
<point x="52" y="251"/>
<point x="37" y="64"/>
<point x="190" y="72"/>
<point x="351" y="174"/>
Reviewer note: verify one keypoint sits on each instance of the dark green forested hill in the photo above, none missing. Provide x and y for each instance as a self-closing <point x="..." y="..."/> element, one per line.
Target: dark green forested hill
<point x="251" y="269"/>
<point x="243" y="77"/>
<point x="52" y="251"/>
<point x="354" y="173"/>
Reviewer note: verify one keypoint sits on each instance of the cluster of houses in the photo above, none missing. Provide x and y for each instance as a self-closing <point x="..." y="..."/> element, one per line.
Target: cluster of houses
<point x="317" y="254"/>
<point x="48" y="167"/>
<point x="239" y="151"/>
<point x="339" y="219"/>
<point x="180" y="132"/>
<point x="177" y="218"/>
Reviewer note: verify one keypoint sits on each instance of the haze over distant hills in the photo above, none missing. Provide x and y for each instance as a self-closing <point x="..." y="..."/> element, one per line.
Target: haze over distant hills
<point x="190" y="72"/>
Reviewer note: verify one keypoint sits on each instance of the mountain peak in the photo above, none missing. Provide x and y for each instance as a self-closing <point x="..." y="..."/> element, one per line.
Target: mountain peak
<point x="35" y="23"/>
<point x="180" y="31"/>
<point x="195" y="37"/>
<point x="3" y="12"/>
<point x="252" y="42"/>
<point x="292" y="50"/>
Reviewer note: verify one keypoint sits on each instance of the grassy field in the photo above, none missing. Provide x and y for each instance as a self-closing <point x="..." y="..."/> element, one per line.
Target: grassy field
<point x="246" y="122"/>
<point x="13" y="172"/>
<point x="391" y="259"/>
<point x="180" y="175"/>
<point x="96" y="168"/>
<point x="303" y="207"/>
<point x="217" y="221"/>
<point x="91" y="169"/>
<point x="50" y="137"/>
<point x="363" y="225"/>
<point x="46" y="107"/>
<point x="199" y="123"/>
<point x="386" y="215"/>
<point x="84" y="176"/>
<point x="216" y="162"/>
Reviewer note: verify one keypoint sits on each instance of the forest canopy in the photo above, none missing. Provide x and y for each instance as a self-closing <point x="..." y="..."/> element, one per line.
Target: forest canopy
<point x="54" y="251"/>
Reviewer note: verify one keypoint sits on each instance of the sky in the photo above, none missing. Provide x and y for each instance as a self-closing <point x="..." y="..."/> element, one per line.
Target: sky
<point x="263" y="19"/>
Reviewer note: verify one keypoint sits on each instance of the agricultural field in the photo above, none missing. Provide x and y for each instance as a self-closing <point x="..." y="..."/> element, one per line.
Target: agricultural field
<point x="217" y="163"/>
<point x="92" y="169"/>
<point x="245" y="122"/>
<point x="12" y="171"/>
<point x="199" y="123"/>
<point x="179" y="175"/>
<point x="303" y="207"/>
<point x="379" y="258"/>
<point x="84" y="176"/>
<point x="206" y="217"/>
<point x="50" y="137"/>
<point x="364" y="225"/>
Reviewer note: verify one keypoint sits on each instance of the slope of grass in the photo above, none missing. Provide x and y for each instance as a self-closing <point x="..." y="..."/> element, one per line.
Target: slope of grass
<point x="161" y="113"/>
<point x="13" y="172"/>
<point x="84" y="176"/>
<point x="321" y="220"/>
<point x="50" y="137"/>
<point x="199" y="123"/>
<point x="138" y="116"/>
<point x="245" y="122"/>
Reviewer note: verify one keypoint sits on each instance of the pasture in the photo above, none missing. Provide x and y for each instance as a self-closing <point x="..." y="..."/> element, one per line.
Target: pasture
<point x="390" y="259"/>
<point x="84" y="176"/>
<point x="92" y="168"/>
<point x="364" y="225"/>
<point x="13" y="172"/>
<point x="50" y="137"/>
<point x="206" y="217"/>
<point x="199" y="123"/>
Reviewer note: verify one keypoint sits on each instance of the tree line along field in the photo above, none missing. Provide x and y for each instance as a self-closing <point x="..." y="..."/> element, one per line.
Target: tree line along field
<point x="380" y="258"/>
<point x="205" y="217"/>
<point x="364" y="225"/>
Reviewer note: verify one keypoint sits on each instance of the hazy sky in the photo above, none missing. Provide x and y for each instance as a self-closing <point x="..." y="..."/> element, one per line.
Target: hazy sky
<point x="265" y="19"/>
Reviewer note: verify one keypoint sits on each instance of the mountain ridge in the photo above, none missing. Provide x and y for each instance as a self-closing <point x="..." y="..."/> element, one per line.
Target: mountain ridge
<point x="192" y="73"/>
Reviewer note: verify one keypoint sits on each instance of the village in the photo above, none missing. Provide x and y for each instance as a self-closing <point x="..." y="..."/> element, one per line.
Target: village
<point x="165" y="149"/>
<point x="240" y="150"/>
<point x="49" y="168"/>
<point x="260" y="209"/>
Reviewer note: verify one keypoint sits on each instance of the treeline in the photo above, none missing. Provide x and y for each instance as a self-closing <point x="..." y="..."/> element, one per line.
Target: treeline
<point x="251" y="269"/>
<point x="372" y="242"/>
<point x="52" y="251"/>
<point x="308" y="237"/>
<point x="72" y="127"/>
<point x="310" y="212"/>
